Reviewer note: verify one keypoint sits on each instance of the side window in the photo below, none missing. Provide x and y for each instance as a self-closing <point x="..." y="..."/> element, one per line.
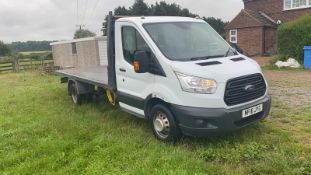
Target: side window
<point x="132" y="41"/>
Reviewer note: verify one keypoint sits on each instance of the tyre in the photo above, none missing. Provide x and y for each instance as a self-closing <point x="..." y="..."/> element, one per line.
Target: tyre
<point x="163" y="124"/>
<point x="75" y="96"/>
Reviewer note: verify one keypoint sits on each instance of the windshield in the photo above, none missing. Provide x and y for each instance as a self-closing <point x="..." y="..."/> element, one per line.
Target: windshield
<point x="185" y="41"/>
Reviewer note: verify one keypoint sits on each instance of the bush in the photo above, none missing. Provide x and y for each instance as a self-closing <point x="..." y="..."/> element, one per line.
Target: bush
<point x="5" y="59"/>
<point x="293" y="36"/>
<point x="4" y="49"/>
<point x="41" y="56"/>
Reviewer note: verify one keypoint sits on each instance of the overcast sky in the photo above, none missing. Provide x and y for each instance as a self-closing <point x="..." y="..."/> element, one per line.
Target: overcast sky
<point x="22" y="20"/>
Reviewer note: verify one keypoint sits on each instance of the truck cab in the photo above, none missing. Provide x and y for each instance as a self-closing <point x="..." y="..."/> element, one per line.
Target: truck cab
<point x="198" y="81"/>
<point x="183" y="77"/>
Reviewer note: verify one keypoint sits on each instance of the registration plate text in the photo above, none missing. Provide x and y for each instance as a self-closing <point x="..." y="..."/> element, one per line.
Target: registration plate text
<point x="252" y="111"/>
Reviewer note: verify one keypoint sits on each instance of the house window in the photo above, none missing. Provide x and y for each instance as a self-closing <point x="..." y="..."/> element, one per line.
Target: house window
<point x="299" y="3"/>
<point x="73" y="48"/>
<point x="234" y="36"/>
<point x="287" y="4"/>
<point x="296" y="4"/>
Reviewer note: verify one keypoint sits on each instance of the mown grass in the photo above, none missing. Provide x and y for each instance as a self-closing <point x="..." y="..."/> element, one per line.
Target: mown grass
<point x="42" y="132"/>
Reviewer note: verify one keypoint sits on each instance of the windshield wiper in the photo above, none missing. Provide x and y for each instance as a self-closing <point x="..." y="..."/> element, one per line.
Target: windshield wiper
<point x="205" y="57"/>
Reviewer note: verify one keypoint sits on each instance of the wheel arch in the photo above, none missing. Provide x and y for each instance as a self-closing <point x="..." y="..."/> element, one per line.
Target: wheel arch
<point x="83" y="88"/>
<point x="150" y="102"/>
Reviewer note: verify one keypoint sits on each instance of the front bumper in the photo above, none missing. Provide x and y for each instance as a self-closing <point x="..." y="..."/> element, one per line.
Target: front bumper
<point x="202" y="122"/>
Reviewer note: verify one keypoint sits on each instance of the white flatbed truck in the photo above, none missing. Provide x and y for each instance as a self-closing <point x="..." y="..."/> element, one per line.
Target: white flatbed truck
<point x="178" y="74"/>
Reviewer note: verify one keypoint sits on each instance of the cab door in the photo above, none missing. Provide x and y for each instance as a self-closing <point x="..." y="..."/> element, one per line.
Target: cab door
<point x="133" y="88"/>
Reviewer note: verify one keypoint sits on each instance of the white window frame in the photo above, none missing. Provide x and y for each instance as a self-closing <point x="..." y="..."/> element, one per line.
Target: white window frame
<point x="308" y="5"/>
<point x="236" y="35"/>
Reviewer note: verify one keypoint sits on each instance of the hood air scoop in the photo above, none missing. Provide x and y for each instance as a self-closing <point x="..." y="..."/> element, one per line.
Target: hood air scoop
<point x="210" y="63"/>
<point x="237" y="59"/>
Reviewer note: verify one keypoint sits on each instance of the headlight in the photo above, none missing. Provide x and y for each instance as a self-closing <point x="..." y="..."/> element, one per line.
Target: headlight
<point x="197" y="84"/>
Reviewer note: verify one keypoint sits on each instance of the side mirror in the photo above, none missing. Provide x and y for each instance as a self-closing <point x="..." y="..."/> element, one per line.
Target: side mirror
<point x="141" y="62"/>
<point x="236" y="47"/>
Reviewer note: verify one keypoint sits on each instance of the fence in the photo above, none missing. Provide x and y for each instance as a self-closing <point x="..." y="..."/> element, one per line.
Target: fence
<point x="17" y="65"/>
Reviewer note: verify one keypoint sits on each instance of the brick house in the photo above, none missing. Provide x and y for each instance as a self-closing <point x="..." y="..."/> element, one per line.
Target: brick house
<point x="254" y="28"/>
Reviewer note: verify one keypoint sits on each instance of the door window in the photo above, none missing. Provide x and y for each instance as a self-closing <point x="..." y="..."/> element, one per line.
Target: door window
<point x="132" y="41"/>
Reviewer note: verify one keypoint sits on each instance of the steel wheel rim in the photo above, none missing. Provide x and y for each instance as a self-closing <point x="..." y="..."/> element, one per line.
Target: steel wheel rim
<point x="74" y="96"/>
<point x="161" y="125"/>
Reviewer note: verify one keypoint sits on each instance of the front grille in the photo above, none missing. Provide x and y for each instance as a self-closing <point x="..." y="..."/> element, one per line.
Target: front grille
<point x="237" y="93"/>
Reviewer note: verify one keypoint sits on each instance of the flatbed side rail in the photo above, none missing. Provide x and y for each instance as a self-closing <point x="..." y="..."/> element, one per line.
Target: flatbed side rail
<point x="65" y="76"/>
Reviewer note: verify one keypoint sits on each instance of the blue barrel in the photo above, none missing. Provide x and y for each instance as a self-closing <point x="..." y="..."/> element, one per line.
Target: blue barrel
<point x="307" y="59"/>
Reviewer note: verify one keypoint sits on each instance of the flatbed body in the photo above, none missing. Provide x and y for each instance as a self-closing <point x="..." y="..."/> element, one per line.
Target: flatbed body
<point x="97" y="75"/>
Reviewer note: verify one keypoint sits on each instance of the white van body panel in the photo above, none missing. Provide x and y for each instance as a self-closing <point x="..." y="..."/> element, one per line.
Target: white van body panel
<point x="220" y="72"/>
<point x="170" y="90"/>
<point x="129" y="82"/>
<point x="132" y="109"/>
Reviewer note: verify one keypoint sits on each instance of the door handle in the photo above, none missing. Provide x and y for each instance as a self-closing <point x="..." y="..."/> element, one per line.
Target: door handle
<point x="122" y="69"/>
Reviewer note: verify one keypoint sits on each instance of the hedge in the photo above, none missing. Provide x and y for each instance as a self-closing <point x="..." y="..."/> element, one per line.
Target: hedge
<point x="293" y="36"/>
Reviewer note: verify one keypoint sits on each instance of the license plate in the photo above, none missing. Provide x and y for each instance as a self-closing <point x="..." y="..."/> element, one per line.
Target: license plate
<point x="252" y="111"/>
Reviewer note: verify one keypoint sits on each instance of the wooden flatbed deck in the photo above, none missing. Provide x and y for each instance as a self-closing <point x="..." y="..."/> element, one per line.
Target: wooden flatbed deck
<point x="93" y="75"/>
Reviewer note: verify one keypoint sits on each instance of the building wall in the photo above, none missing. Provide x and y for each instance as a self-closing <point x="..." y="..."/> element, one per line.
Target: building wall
<point x="275" y="9"/>
<point x="62" y="55"/>
<point x="89" y="53"/>
<point x="250" y="40"/>
<point x="242" y="20"/>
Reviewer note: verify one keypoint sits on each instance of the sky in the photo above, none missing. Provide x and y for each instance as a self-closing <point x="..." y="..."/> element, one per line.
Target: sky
<point x="23" y="20"/>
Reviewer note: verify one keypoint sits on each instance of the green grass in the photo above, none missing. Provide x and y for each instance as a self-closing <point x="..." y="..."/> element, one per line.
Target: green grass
<point x="42" y="132"/>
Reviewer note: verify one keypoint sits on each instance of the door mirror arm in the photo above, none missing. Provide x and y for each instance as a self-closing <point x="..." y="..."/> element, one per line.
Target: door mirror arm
<point x="236" y="48"/>
<point x="141" y="62"/>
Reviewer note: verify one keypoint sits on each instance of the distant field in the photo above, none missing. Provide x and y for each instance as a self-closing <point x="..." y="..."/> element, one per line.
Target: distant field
<point x="42" y="132"/>
<point x="34" y="52"/>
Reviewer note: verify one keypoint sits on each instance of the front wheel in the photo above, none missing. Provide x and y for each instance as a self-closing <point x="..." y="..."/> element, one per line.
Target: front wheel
<point x="163" y="124"/>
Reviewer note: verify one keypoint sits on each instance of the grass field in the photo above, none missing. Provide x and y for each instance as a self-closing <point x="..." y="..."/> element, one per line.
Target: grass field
<point x="34" y="52"/>
<point x="42" y="132"/>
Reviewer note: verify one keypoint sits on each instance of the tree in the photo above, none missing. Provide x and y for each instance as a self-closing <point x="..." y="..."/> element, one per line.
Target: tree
<point x="30" y="46"/>
<point x="4" y="49"/>
<point x="121" y="11"/>
<point x="162" y="8"/>
<point x="83" y="33"/>
<point x="139" y="8"/>
<point x="217" y="24"/>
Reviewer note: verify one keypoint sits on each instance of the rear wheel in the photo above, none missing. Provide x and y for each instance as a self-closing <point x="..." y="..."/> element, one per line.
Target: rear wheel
<point x="75" y="96"/>
<point x="163" y="124"/>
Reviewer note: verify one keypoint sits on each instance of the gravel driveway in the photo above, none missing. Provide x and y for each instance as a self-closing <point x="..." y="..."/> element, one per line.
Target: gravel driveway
<point x="290" y="87"/>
